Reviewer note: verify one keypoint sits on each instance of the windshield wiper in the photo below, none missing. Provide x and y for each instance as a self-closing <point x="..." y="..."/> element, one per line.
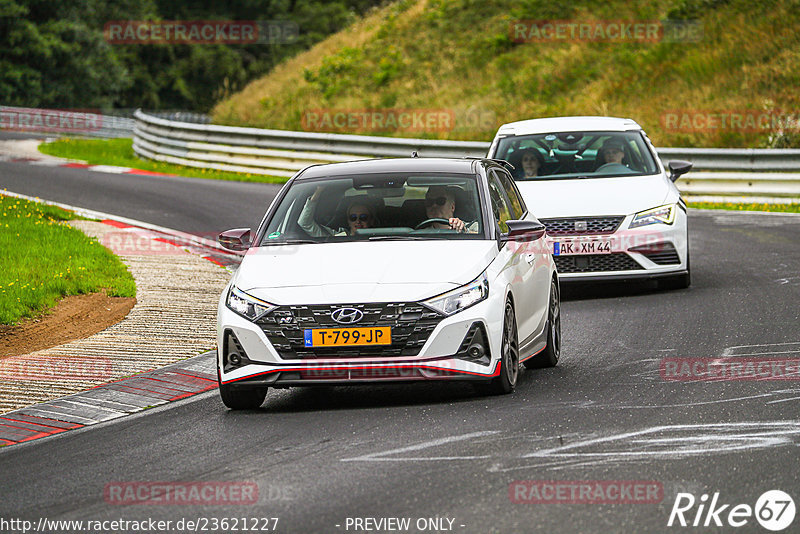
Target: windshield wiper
<point x="393" y="237"/>
<point x="290" y="242"/>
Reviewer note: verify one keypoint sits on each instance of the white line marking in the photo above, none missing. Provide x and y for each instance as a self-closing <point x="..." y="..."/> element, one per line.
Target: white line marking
<point x="783" y="400"/>
<point x="731" y="351"/>
<point x="377" y="456"/>
<point x="110" y="169"/>
<point x="763" y="353"/>
<point x="762" y="434"/>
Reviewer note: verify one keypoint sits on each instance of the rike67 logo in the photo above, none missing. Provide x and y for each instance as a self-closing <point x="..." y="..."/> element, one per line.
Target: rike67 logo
<point x="774" y="510"/>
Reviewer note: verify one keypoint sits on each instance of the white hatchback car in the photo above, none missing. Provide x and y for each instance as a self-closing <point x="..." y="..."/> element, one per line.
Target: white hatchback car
<point x="597" y="184"/>
<point x="389" y="270"/>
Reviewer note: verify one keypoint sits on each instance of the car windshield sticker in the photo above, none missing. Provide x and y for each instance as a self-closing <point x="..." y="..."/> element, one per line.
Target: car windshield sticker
<point x="274" y="235"/>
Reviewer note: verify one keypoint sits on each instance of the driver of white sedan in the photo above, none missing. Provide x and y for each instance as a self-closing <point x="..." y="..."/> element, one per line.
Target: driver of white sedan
<point x="440" y="203"/>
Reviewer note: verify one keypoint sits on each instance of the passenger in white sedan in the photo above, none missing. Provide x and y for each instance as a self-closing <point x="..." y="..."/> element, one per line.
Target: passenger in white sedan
<point x="530" y="162"/>
<point x="360" y="214"/>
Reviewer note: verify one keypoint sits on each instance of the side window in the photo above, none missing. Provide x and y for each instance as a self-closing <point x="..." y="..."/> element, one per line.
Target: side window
<point x="500" y="205"/>
<point x="517" y="205"/>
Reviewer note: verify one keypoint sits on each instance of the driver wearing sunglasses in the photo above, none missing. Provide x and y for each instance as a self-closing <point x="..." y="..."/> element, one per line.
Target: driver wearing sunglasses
<point x="440" y="203"/>
<point x="360" y="214"/>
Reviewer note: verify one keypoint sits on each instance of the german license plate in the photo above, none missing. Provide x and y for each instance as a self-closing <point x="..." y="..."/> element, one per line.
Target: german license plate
<point x="593" y="246"/>
<point x="340" y="337"/>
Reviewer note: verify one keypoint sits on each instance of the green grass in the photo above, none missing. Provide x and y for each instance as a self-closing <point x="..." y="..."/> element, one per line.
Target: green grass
<point x="119" y="152"/>
<point x="458" y="55"/>
<point x="44" y="259"/>
<point x="733" y="206"/>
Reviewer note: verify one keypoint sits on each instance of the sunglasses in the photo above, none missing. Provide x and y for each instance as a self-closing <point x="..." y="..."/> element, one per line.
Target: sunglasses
<point x="439" y="201"/>
<point x="363" y="217"/>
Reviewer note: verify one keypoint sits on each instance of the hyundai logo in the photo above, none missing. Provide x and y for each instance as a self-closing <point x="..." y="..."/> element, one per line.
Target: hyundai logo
<point x="581" y="226"/>
<point x="347" y="315"/>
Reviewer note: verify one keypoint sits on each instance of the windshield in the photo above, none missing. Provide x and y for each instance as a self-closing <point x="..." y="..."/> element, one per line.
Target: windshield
<point x="577" y="155"/>
<point x="378" y="207"/>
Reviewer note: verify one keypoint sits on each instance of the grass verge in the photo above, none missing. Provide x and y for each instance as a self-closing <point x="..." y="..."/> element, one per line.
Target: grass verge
<point x="119" y="152"/>
<point x="44" y="259"/>
<point x="733" y="206"/>
<point x="467" y="58"/>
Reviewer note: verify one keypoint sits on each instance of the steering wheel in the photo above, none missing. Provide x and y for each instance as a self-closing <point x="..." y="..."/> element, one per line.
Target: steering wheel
<point x="428" y="222"/>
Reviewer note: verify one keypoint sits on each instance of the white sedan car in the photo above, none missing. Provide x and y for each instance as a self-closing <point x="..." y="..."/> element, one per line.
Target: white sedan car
<point x="611" y="209"/>
<point x="389" y="270"/>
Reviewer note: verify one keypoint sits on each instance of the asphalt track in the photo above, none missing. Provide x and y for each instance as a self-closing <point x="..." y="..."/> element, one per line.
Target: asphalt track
<point x="320" y="456"/>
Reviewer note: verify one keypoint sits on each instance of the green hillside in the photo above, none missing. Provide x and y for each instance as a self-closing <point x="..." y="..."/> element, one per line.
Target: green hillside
<point x="458" y="56"/>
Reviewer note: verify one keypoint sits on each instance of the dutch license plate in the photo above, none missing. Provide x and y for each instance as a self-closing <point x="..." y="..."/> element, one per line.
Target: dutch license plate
<point x="339" y="337"/>
<point x="594" y="246"/>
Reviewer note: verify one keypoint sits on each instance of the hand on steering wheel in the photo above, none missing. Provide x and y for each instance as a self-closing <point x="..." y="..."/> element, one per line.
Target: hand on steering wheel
<point x="428" y="222"/>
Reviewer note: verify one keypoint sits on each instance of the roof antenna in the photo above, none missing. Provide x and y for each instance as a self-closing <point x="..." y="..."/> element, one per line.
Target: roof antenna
<point x="414" y="154"/>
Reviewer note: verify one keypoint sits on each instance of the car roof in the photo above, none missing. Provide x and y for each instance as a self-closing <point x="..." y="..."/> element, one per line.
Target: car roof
<point x="385" y="165"/>
<point x="568" y="124"/>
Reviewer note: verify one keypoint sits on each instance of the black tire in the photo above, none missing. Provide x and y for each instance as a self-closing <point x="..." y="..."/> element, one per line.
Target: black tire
<point x="509" y="358"/>
<point x="238" y="398"/>
<point x="552" y="352"/>
<point x="680" y="281"/>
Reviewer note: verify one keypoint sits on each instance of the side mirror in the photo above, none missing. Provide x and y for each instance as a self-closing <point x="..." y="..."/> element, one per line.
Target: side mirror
<point x="523" y="231"/>
<point x="678" y="168"/>
<point x="237" y="239"/>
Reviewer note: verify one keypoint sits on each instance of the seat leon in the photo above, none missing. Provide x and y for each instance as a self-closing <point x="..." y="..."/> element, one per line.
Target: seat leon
<point x="611" y="209"/>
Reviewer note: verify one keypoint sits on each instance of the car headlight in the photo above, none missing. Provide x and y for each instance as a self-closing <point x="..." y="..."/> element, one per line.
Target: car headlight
<point x="661" y="214"/>
<point x="462" y="297"/>
<point x="246" y="305"/>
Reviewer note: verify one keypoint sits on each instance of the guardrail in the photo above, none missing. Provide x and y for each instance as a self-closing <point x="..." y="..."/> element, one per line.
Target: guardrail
<point x="274" y="152"/>
<point x="282" y="153"/>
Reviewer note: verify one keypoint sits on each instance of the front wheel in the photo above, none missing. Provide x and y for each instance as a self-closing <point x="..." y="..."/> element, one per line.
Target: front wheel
<point x="509" y="357"/>
<point x="552" y="352"/>
<point x="237" y="398"/>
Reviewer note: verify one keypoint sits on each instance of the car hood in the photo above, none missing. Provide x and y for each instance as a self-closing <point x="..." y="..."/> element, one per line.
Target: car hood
<point x="361" y="271"/>
<point x="596" y="196"/>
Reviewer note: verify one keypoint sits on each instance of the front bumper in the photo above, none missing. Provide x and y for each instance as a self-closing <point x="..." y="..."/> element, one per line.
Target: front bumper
<point x="442" y="357"/>
<point x="337" y="374"/>
<point x="647" y="252"/>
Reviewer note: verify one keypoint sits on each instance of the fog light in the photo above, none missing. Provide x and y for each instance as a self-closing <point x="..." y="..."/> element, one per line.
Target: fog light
<point x="474" y="348"/>
<point x="476" y="351"/>
<point x="233" y="354"/>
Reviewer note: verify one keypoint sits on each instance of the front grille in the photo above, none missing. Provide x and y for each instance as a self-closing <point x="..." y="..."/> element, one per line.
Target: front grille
<point x="660" y="254"/>
<point x="592" y="225"/>
<point x="411" y="325"/>
<point x="590" y="263"/>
